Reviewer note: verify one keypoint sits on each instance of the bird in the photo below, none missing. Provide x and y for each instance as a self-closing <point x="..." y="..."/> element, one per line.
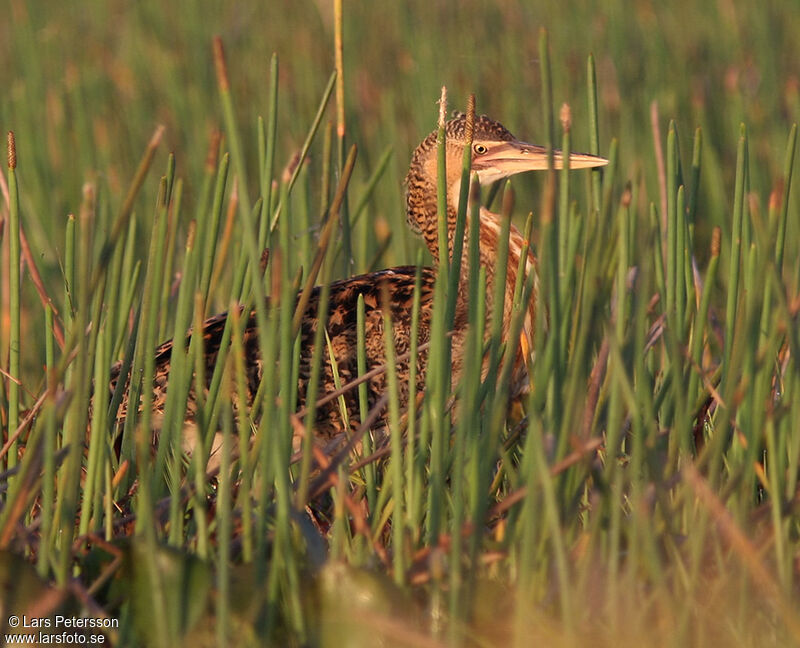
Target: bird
<point x="495" y="154"/>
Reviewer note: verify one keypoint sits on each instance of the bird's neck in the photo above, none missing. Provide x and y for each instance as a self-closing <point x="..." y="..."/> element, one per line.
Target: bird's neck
<point x="422" y="217"/>
<point x="489" y="246"/>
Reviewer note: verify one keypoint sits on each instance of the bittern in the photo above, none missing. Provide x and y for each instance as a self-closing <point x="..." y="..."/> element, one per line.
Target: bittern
<point x="496" y="154"/>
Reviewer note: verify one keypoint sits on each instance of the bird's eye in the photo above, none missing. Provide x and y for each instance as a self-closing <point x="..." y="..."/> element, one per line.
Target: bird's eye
<point x="480" y="149"/>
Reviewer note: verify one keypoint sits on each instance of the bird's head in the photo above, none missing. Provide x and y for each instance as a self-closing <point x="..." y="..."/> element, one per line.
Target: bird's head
<point x="496" y="154"/>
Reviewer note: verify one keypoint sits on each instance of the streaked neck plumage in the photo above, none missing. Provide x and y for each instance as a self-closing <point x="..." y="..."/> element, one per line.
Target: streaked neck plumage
<point x="421" y="203"/>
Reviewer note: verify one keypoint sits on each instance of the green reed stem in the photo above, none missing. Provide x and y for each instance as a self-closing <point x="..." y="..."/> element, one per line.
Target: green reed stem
<point x="69" y="272"/>
<point x="75" y="425"/>
<point x="481" y="462"/>
<point x="199" y="457"/>
<point x="441" y="191"/>
<point x="231" y="127"/>
<point x="398" y="510"/>
<point x="224" y="526"/>
<point x="415" y="450"/>
<point x="553" y="522"/>
<point x="681" y="261"/>
<point x="438" y="369"/>
<point x="499" y="287"/>
<point x="594" y="132"/>
<point x="148" y="333"/>
<point x="672" y="225"/>
<point x="244" y="432"/>
<point x="208" y="227"/>
<point x="283" y="554"/>
<point x="788" y="166"/>
<point x="269" y="159"/>
<point x="363" y="404"/>
<point x="735" y="253"/>
<point x="312" y="388"/>
<point x="701" y="318"/>
<point x="14" y="338"/>
<point x="469" y="409"/>
<point x="125" y="277"/>
<point x="341" y="131"/>
<point x="564" y="218"/>
<point x="48" y="451"/>
<point x="694" y="188"/>
<point x="615" y="406"/>
<point x="180" y="376"/>
<point x="327" y="172"/>
<point x="172" y="231"/>
<point x="90" y="505"/>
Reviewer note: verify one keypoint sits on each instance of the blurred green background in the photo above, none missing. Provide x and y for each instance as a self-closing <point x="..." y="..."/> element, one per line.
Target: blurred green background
<point x="84" y="84"/>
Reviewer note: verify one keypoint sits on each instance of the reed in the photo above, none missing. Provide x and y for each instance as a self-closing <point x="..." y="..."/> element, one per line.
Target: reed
<point x="644" y="489"/>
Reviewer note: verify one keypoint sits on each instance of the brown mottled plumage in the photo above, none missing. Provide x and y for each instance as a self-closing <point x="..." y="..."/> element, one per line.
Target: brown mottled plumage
<point x="496" y="154"/>
<point x="341" y="327"/>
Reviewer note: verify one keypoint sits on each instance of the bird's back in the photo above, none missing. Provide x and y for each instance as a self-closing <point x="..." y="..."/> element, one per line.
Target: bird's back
<point x="339" y="348"/>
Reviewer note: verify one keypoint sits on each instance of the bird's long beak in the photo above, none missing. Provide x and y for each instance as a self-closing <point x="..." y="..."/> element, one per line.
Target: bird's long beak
<point x="503" y="159"/>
